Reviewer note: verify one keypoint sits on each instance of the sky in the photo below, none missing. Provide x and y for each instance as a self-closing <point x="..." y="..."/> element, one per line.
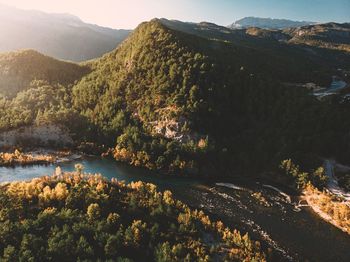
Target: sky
<point x="129" y="13"/>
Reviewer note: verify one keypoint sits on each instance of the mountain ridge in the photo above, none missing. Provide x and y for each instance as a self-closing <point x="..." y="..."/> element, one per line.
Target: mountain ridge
<point x="268" y="23"/>
<point x="62" y="36"/>
<point x="19" y="68"/>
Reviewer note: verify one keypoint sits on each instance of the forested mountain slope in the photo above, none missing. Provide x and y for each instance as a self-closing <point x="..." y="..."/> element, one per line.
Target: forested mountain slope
<point x="321" y="44"/>
<point x="35" y="88"/>
<point x="19" y="69"/>
<point x="332" y="36"/>
<point x="177" y="100"/>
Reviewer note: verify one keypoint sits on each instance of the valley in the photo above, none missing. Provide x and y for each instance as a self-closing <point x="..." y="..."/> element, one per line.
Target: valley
<point x="247" y="124"/>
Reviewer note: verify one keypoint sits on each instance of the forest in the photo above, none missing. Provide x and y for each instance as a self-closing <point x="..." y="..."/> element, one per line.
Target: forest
<point x="79" y="217"/>
<point x="312" y="186"/>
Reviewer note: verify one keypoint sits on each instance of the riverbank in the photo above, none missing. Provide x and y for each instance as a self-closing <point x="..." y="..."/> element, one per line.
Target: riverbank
<point x="36" y="157"/>
<point x="328" y="207"/>
<point x="333" y="184"/>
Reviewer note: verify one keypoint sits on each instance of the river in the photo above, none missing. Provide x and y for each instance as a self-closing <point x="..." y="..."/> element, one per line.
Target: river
<point x="293" y="234"/>
<point x="336" y="86"/>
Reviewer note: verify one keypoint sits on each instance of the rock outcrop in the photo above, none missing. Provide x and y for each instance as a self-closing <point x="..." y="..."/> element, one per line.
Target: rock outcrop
<point x="46" y="135"/>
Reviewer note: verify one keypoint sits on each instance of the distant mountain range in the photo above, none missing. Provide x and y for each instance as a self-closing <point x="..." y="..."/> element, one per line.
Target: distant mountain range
<point x="268" y="23"/>
<point x="67" y="37"/>
<point x="62" y="36"/>
<point x="328" y="36"/>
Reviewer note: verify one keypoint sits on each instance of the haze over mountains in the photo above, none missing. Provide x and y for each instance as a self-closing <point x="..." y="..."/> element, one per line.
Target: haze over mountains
<point x="67" y="37"/>
<point x="62" y="36"/>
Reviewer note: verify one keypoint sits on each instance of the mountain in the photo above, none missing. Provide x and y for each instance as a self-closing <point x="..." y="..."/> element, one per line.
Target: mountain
<point x="62" y="36"/>
<point x="184" y="96"/>
<point x="192" y="98"/>
<point x="19" y="69"/>
<point x="267" y="23"/>
<point x="316" y="42"/>
<point x="36" y="90"/>
<point x="331" y="35"/>
<point x="322" y="40"/>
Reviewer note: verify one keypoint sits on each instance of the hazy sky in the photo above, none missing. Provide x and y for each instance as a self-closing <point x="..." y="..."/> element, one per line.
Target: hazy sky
<point x="129" y="13"/>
